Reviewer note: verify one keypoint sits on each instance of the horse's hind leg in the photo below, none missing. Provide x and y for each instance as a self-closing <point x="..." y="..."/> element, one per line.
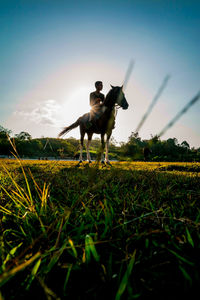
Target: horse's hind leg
<point x="102" y="148"/>
<point x="107" y="146"/>
<point x="82" y="131"/>
<point x="88" y="146"/>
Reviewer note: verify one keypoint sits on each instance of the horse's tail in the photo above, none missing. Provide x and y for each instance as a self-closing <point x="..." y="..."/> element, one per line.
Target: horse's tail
<point x="67" y="129"/>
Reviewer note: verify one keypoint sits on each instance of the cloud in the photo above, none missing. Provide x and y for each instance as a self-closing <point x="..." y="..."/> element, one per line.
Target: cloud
<point x="45" y="113"/>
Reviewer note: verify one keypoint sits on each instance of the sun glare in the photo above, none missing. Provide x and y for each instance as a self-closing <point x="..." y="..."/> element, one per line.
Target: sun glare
<point x="76" y="104"/>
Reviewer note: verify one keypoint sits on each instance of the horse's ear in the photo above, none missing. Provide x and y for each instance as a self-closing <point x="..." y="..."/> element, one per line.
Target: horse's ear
<point x="122" y="87"/>
<point x="112" y="86"/>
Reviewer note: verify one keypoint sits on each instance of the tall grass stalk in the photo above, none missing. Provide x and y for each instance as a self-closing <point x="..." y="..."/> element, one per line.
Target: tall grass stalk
<point x="125" y="278"/>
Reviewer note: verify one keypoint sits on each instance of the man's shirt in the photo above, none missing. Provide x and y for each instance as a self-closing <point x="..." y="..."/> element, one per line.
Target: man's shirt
<point x="96" y="98"/>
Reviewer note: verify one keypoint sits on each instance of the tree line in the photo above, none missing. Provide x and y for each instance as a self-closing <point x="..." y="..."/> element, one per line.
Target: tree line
<point x="135" y="148"/>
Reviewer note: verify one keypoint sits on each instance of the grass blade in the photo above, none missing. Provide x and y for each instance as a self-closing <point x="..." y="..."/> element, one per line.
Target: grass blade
<point x="10" y="256"/>
<point x="90" y="249"/>
<point x="189" y="238"/>
<point x="124" y="281"/>
<point x="67" y="278"/>
<point x="182" y="258"/>
<point x="7" y="275"/>
<point x="73" y="248"/>
<point x="34" y="272"/>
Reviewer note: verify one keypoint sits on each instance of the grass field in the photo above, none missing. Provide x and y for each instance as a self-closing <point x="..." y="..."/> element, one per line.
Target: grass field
<point x="122" y="232"/>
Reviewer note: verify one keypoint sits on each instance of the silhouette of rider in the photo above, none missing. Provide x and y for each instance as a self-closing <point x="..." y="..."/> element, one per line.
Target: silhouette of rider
<point x="97" y="97"/>
<point x="96" y="101"/>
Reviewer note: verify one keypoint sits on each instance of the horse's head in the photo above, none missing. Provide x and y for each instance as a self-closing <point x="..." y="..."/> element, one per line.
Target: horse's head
<point x="118" y="96"/>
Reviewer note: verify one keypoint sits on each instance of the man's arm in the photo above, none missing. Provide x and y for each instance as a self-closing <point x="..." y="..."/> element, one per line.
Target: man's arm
<point x="92" y="98"/>
<point x="102" y="99"/>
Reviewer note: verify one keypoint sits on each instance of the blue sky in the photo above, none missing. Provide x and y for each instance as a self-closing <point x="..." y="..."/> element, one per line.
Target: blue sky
<point x="52" y="52"/>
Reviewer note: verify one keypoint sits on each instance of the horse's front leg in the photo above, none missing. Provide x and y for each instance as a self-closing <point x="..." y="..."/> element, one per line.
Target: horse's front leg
<point x="88" y="147"/>
<point x="81" y="144"/>
<point x="107" y="147"/>
<point x="81" y="152"/>
<point x="102" y="148"/>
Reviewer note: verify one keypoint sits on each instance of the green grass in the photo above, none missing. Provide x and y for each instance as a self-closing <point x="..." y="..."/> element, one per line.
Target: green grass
<point x="122" y="232"/>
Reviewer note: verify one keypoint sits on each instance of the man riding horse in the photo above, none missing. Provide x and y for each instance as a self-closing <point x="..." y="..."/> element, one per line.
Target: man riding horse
<point x="102" y="113"/>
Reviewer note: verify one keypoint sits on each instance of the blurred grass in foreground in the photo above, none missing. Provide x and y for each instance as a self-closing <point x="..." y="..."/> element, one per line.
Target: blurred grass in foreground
<point x="124" y="232"/>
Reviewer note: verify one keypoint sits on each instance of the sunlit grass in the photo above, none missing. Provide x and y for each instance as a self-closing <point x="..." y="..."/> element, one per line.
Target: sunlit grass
<point x="126" y="231"/>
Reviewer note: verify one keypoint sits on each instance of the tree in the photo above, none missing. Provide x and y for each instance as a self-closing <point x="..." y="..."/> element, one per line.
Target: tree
<point x="172" y="142"/>
<point x="185" y="144"/>
<point x="5" y="146"/>
<point x="134" y="147"/>
<point x="4" y="133"/>
<point x="23" y="136"/>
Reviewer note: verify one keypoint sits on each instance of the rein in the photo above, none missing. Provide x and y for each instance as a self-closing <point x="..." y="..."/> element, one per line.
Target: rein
<point x="117" y="107"/>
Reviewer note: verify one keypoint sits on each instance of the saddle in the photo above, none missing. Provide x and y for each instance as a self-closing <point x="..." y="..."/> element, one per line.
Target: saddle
<point x="95" y="113"/>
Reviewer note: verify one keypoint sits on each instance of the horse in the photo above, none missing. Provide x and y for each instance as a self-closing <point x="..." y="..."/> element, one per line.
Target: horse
<point x="103" y="125"/>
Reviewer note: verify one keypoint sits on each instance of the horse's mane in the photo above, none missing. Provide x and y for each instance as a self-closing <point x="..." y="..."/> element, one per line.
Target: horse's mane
<point x="109" y="97"/>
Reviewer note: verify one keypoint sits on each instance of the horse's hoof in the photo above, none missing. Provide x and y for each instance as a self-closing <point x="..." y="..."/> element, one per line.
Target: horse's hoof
<point x="89" y="161"/>
<point x="79" y="163"/>
<point x="108" y="163"/>
<point x="103" y="164"/>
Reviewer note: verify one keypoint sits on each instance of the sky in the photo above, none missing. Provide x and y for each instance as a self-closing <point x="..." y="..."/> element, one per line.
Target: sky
<point x="53" y="51"/>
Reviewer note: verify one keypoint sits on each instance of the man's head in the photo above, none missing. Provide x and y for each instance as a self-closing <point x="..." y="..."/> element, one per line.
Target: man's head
<point x="98" y="85"/>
